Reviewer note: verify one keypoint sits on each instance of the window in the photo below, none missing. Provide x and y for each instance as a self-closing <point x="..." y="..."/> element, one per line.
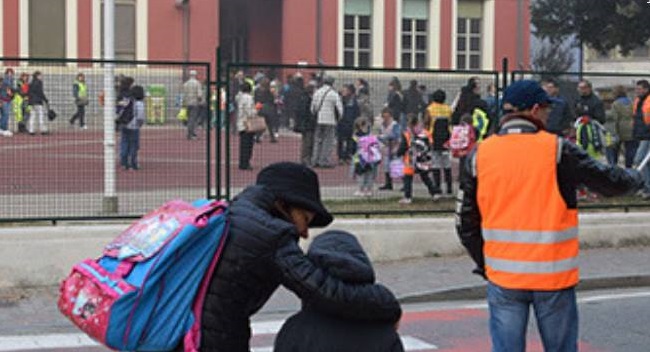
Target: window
<point x="468" y="44"/>
<point x="47" y="28"/>
<point x="125" y="29"/>
<point x="415" y="27"/>
<point x="468" y="35"/>
<point x="357" y="33"/>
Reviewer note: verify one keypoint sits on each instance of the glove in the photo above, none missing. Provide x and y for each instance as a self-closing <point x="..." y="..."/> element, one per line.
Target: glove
<point x="480" y="272"/>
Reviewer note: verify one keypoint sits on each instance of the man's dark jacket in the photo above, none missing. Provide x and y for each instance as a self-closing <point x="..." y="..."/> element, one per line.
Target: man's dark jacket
<point x="575" y="167"/>
<point x="314" y="330"/>
<point x="36" y="94"/>
<point x="262" y="253"/>
<point x="591" y="106"/>
<point x="560" y="118"/>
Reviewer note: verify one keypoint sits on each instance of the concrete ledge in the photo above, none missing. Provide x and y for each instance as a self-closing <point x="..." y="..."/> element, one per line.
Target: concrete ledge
<point x="42" y="255"/>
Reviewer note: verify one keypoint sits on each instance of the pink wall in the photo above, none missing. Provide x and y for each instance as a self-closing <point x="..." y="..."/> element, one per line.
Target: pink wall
<point x="85" y="30"/>
<point x="265" y="31"/>
<point x="445" y="33"/>
<point x="298" y="31"/>
<point x="165" y="32"/>
<point x="330" y="32"/>
<point x="505" y="36"/>
<point x="204" y="27"/>
<point x="390" y="17"/>
<point x="10" y="28"/>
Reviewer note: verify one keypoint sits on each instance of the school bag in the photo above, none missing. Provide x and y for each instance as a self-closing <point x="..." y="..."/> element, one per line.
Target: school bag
<point x="125" y="113"/>
<point x="368" y="153"/>
<point x="462" y="140"/>
<point x="422" y="151"/>
<point x="590" y="135"/>
<point x="146" y="291"/>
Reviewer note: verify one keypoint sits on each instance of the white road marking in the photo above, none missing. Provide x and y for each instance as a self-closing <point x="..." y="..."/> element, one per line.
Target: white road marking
<point x="35" y="342"/>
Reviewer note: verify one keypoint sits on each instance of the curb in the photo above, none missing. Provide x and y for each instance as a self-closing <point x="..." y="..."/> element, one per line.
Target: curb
<point x="474" y="292"/>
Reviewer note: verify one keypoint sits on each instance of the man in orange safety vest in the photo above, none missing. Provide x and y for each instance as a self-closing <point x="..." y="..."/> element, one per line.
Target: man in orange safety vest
<point x="518" y="219"/>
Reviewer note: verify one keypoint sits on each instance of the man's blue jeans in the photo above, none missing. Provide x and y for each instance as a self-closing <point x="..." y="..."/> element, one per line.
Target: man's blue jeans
<point x="556" y="313"/>
<point x="4" y="115"/>
<point x="641" y="152"/>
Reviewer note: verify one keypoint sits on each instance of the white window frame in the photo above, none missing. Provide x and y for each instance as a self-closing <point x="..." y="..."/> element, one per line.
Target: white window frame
<point x="356" y="32"/>
<point x="467" y="36"/>
<point x="413" y="50"/>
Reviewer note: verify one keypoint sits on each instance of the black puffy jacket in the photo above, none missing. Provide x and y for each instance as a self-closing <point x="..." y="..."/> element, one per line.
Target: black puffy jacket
<point x="324" y="331"/>
<point x="575" y="168"/>
<point x="262" y="253"/>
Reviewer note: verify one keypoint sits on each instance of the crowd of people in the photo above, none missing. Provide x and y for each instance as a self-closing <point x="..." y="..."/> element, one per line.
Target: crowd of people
<point x="26" y="98"/>
<point x="604" y="127"/>
<point x="413" y="129"/>
<point x="409" y="137"/>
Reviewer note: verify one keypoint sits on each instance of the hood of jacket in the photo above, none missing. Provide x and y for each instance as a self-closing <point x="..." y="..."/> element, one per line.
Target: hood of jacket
<point x="341" y="254"/>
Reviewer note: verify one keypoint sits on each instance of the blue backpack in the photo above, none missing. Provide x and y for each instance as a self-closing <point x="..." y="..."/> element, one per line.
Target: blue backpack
<point x="146" y="292"/>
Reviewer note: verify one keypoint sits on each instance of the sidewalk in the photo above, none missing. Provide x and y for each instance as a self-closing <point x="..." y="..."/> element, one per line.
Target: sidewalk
<point x="34" y="311"/>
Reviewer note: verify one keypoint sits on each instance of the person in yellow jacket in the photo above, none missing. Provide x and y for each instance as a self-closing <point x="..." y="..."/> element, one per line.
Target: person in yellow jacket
<point x="518" y="219"/>
<point x="80" y="94"/>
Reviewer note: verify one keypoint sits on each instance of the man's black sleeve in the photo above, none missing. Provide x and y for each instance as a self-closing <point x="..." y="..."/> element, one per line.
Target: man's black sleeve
<point x="578" y="167"/>
<point x="599" y="111"/>
<point x="468" y="217"/>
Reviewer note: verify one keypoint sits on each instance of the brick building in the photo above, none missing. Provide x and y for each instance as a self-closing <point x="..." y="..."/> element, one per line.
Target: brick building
<point x="446" y="34"/>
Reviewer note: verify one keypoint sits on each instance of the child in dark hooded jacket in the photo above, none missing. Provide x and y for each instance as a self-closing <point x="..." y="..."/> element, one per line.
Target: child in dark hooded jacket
<point x="316" y="330"/>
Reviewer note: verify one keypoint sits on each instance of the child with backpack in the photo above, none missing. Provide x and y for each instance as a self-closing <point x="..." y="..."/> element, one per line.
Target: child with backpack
<point x="438" y="122"/>
<point x="366" y="158"/>
<point x="131" y="124"/>
<point x="389" y="136"/>
<point x="415" y="148"/>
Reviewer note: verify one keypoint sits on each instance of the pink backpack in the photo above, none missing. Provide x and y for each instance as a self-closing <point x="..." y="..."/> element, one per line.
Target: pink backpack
<point x="369" y="150"/>
<point x="462" y="140"/>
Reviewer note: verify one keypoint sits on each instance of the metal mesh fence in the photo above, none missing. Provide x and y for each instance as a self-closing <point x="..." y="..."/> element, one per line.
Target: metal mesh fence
<point x="339" y="186"/>
<point x="57" y="168"/>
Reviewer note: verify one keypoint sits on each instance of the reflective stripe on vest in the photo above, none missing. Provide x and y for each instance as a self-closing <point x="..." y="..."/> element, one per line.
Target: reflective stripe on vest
<point x="531" y="237"/>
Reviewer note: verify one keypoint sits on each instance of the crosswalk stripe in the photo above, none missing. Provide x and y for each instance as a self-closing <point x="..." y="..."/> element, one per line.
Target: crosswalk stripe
<point x="54" y="341"/>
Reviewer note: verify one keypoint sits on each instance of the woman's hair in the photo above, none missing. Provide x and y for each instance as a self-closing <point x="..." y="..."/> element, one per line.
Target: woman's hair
<point x="439" y="96"/>
<point x="80" y="75"/>
<point x="36" y="74"/>
<point x="396" y="84"/>
<point x="619" y="92"/>
<point x="351" y="89"/>
<point x="9" y="70"/>
<point x="413" y="86"/>
<point x="137" y="92"/>
<point x="467" y="118"/>
<point x="387" y="110"/>
<point x="361" y="124"/>
<point x="246" y="87"/>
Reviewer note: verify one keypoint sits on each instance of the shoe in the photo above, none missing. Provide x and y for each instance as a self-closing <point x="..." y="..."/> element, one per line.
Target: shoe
<point x="192" y="138"/>
<point x="436" y="197"/>
<point x="386" y="188"/>
<point x="84" y="127"/>
<point x="32" y="133"/>
<point x="405" y="201"/>
<point x="136" y="167"/>
<point x="247" y="167"/>
<point x="359" y="194"/>
<point x="367" y="193"/>
<point x="274" y="140"/>
<point x="6" y="133"/>
<point x="45" y="133"/>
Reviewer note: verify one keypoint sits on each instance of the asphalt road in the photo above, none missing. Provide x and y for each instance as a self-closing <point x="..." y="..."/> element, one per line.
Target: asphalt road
<point x="610" y="321"/>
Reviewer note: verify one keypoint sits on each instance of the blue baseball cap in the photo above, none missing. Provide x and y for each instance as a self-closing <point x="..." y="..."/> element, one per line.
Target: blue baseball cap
<point x="524" y="94"/>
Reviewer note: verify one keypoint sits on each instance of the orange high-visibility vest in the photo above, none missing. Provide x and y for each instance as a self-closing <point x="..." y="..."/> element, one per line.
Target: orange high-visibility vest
<point x="531" y="236"/>
<point x="645" y="109"/>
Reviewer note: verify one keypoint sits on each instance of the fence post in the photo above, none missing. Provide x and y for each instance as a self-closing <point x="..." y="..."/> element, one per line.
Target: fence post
<point x="504" y="72"/>
<point x="110" y="200"/>
<point x="228" y="149"/>
<point x="219" y="122"/>
<point x="208" y="93"/>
